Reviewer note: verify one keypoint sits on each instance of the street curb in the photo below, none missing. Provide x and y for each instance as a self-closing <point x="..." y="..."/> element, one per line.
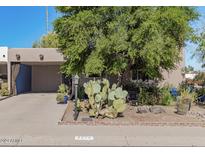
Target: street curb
<point x="160" y="124"/>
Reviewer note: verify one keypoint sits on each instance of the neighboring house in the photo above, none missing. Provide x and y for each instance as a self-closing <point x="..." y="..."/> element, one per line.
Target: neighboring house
<point x="38" y="70"/>
<point x="175" y="76"/>
<point x="190" y="75"/>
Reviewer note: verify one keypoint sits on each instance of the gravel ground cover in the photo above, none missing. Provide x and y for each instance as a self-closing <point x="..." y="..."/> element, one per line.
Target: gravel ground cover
<point x="195" y="118"/>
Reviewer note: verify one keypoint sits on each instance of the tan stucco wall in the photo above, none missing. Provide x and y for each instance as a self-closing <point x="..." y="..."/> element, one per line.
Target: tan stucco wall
<point x="45" y="78"/>
<point x="174" y="77"/>
<point x="32" y="55"/>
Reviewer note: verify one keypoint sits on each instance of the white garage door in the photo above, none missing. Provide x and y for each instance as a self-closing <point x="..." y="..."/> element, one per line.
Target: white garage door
<point x="45" y="78"/>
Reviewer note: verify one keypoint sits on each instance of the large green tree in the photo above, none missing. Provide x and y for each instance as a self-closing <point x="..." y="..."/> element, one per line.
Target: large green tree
<point x="49" y="40"/>
<point x="188" y="69"/>
<point x="200" y="52"/>
<point x="114" y="40"/>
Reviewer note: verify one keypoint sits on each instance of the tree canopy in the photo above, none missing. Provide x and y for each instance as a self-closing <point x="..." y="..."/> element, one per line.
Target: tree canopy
<point x="49" y="40"/>
<point x="188" y="69"/>
<point x="111" y="40"/>
<point x="200" y="52"/>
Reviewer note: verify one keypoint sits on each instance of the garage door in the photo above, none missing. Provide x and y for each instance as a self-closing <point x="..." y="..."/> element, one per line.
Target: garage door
<point x="45" y="78"/>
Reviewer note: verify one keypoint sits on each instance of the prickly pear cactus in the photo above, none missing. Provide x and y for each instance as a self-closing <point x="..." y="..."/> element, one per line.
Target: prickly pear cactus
<point x="111" y="113"/>
<point x="103" y="100"/>
<point x="92" y="87"/>
<point x="119" y="105"/>
<point x="117" y="93"/>
<point x="114" y="86"/>
<point x="98" y="98"/>
<point x="96" y="87"/>
<point x="92" y="113"/>
<point x="111" y="95"/>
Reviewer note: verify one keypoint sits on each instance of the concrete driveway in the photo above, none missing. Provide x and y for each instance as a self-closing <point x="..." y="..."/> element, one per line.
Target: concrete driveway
<point x="32" y="120"/>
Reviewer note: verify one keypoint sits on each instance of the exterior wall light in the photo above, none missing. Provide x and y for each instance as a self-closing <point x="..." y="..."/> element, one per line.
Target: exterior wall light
<point x="41" y="57"/>
<point x="18" y="57"/>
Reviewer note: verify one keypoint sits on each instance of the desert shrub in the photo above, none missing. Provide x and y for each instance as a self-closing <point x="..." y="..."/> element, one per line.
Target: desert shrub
<point x="200" y="92"/>
<point x="185" y="100"/>
<point x="147" y="92"/>
<point x="186" y="94"/>
<point x="81" y="92"/>
<point x="200" y="79"/>
<point x="62" y="91"/>
<point x="148" y="95"/>
<point x="184" y="85"/>
<point x="4" y="89"/>
<point x="131" y="86"/>
<point x="60" y="97"/>
<point x="62" y="88"/>
<point x="165" y="96"/>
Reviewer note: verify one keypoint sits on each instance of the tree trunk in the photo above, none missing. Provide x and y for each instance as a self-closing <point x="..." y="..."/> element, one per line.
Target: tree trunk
<point x="126" y="76"/>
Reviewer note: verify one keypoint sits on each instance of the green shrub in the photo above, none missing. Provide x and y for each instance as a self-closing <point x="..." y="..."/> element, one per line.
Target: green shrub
<point x="200" y="79"/>
<point x="185" y="94"/>
<point x="200" y="92"/>
<point x="60" y="97"/>
<point x="148" y="96"/>
<point x="4" y="89"/>
<point x="62" y="91"/>
<point x="184" y="86"/>
<point x="185" y="100"/>
<point x="62" y="88"/>
<point x="153" y="95"/>
<point x="81" y="92"/>
<point x="165" y="96"/>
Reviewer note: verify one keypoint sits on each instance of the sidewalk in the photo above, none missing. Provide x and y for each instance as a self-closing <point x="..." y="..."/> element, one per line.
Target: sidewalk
<point x="32" y="120"/>
<point x="109" y="136"/>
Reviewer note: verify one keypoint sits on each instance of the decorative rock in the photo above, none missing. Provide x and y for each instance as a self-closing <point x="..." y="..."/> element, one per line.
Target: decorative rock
<point x="156" y="109"/>
<point x="86" y="119"/>
<point x="142" y="109"/>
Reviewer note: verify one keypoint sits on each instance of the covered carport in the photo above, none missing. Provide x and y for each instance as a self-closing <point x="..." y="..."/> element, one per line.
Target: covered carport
<point x="35" y="70"/>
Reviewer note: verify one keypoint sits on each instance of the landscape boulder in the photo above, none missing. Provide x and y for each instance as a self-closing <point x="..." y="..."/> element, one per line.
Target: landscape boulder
<point x="142" y="109"/>
<point x="156" y="109"/>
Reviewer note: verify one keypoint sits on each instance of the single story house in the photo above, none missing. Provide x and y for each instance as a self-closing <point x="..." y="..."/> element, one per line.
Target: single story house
<point x="38" y="70"/>
<point x="31" y="69"/>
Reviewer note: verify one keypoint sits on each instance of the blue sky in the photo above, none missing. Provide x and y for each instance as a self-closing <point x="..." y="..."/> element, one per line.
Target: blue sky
<point x="21" y="26"/>
<point x="190" y="48"/>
